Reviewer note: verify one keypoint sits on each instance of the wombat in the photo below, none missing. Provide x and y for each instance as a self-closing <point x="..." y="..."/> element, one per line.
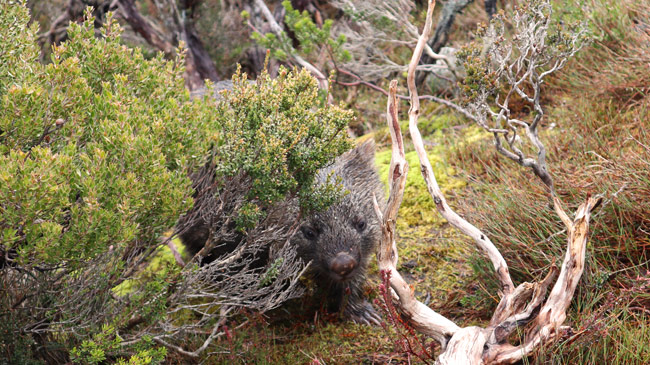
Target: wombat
<point x="340" y="241"/>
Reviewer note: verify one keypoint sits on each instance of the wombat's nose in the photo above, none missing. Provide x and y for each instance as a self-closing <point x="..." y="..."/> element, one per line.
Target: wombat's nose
<point x="343" y="264"/>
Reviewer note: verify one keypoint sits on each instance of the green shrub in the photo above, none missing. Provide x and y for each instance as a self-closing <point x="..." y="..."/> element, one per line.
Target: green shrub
<point x="279" y="133"/>
<point x="95" y="152"/>
<point x="311" y="39"/>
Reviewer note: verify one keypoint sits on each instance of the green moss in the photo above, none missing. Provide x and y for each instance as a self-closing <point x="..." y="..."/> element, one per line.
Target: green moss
<point x="160" y="261"/>
<point x="432" y="253"/>
<point x="418" y="208"/>
<point x="436" y="124"/>
<point x="471" y="135"/>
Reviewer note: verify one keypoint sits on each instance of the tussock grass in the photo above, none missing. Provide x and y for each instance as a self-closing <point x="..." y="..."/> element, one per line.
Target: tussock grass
<point x="597" y="134"/>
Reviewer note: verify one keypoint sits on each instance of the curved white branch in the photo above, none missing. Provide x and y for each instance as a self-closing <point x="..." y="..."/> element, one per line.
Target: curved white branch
<point x="423" y="318"/>
<point x="454" y="219"/>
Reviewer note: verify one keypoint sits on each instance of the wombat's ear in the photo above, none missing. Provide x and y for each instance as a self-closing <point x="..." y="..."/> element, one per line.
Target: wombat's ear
<point x="360" y="158"/>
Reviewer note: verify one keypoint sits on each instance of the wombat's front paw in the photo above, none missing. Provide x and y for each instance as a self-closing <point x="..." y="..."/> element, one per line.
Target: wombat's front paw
<point x="363" y="313"/>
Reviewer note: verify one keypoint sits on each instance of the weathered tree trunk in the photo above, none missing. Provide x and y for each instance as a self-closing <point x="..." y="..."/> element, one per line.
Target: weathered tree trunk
<point x="441" y="35"/>
<point x="257" y="54"/>
<point x="199" y="65"/>
<point x="74" y="12"/>
<point x="204" y="65"/>
<point x="144" y="28"/>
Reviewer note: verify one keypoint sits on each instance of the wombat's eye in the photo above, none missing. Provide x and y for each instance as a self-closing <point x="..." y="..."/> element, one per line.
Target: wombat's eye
<point x="309" y="233"/>
<point x="361" y="225"/>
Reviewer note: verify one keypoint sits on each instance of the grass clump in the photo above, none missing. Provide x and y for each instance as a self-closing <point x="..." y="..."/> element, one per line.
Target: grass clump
<point x="596" y="133"/>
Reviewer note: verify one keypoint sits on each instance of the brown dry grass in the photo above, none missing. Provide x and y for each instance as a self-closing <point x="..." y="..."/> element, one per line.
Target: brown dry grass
<point x="598" y="139"/>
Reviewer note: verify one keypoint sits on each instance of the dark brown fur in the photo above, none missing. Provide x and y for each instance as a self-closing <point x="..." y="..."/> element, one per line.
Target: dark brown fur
<point x="339" y="240"/>
<point x="349" y="229"/>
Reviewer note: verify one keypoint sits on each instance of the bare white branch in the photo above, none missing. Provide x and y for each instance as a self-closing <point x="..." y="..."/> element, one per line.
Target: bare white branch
<point x="373" y="29"/>
<point x="454" y="219"/>
<point x="421" y="317"/>
<point x="522" y="308"/>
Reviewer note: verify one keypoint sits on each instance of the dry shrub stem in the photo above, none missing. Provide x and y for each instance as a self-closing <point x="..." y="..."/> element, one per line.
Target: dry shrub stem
<point x="519" y="305"/>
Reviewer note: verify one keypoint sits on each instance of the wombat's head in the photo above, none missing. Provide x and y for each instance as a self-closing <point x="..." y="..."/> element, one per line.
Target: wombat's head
<point x="340" y="240"/>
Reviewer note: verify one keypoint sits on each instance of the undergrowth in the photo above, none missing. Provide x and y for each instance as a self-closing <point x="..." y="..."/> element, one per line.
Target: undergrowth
<point x="596" y="131"/>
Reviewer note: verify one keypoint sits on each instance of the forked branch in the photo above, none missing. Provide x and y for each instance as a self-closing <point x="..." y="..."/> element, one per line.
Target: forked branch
<point x="423" y="318"/>
<point x="522" y="308"/>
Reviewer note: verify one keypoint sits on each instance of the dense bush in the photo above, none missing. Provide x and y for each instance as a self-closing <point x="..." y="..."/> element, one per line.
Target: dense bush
<point x="95" y="152"/>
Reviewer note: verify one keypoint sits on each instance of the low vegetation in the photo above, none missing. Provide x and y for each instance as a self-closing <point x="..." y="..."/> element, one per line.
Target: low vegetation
<point x="96" y="150"/>
<point x="598" y="125"/>
<point x="96" y="146"/>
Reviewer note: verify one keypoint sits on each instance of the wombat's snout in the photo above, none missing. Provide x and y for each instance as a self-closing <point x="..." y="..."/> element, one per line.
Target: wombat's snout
<point x="343" y="264"/>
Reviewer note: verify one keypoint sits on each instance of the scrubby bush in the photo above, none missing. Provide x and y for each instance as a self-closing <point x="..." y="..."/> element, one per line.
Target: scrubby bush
<point x="95" y="152"/>
<point x="598" y="124"/>
<point x="310" y="37"/>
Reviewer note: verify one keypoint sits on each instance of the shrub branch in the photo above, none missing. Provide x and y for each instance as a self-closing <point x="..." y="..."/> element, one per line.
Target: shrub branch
<point x="519" y="306"/>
